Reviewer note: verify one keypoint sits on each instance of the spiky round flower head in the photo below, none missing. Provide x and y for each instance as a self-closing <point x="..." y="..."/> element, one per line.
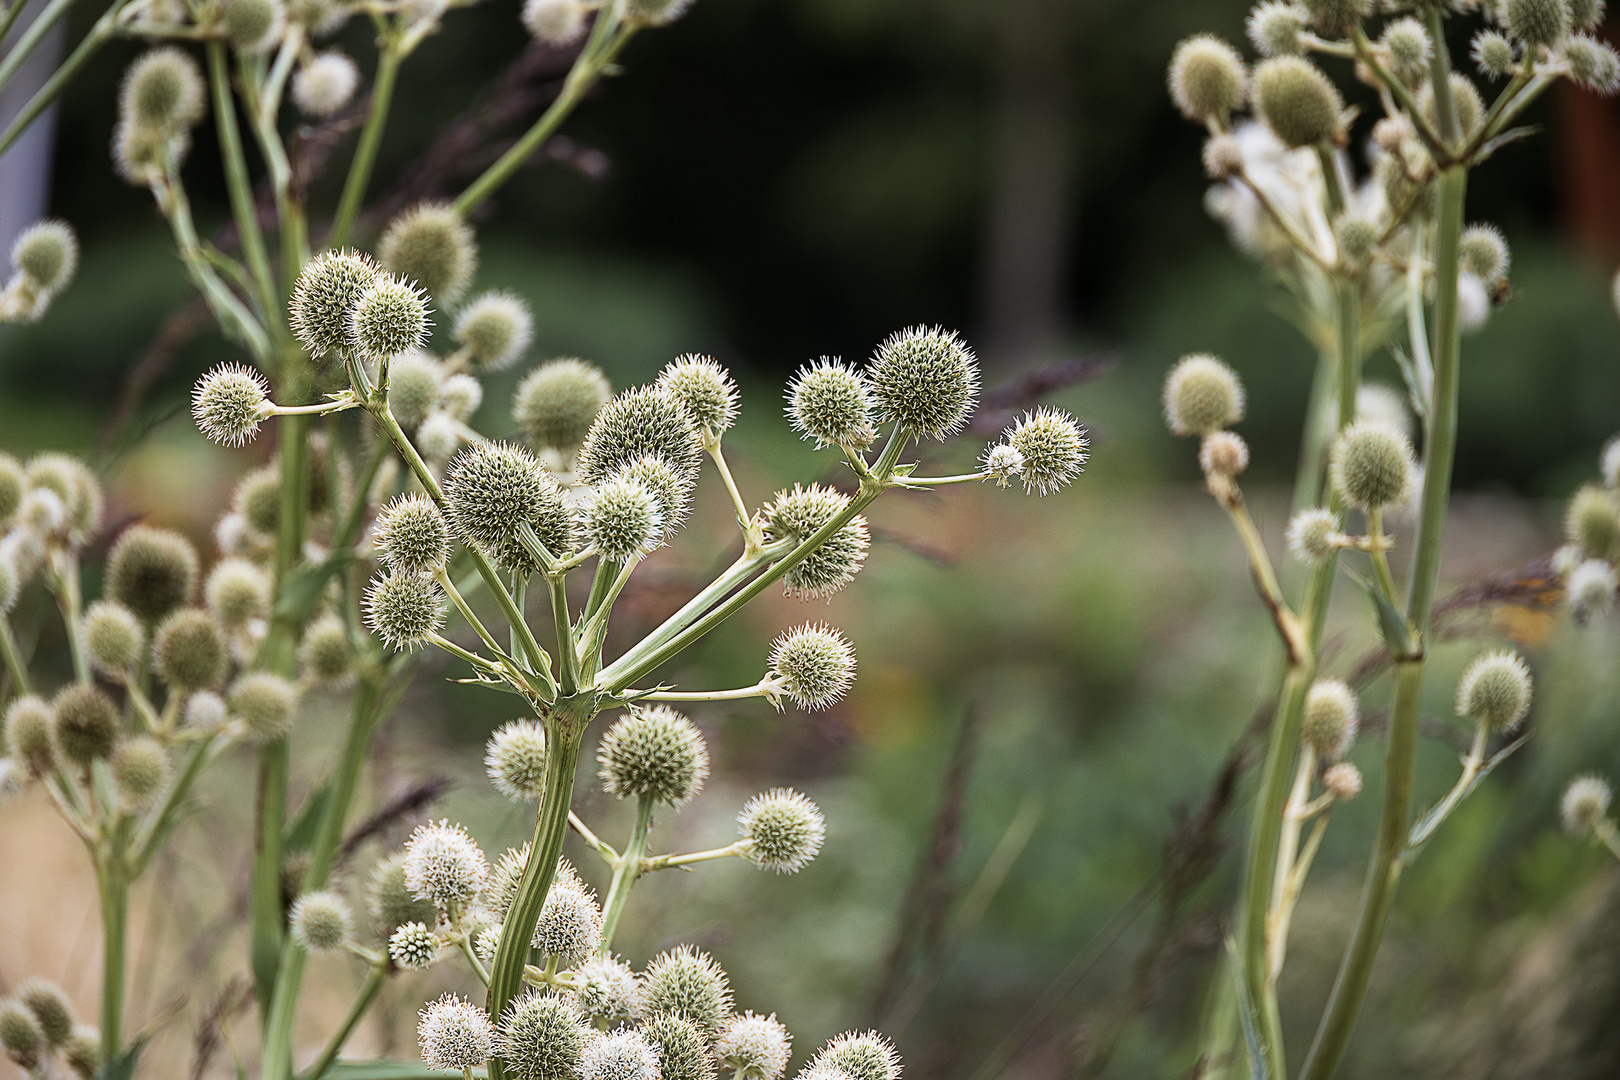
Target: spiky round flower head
<point x="1299" y="104"/>
<point x="12" y="486"/>
<point x="1342" y="781"/>
<point x="1202" y="394"/>
<point x="460" y="395"/>
<point x="1053" y="446"/>
<point x="622" y="519"/>
<point x="1587" y="14"/>
<point x="813" y="665"/>
<point x="569" y="929"/>
<point x="413" y="946"/>
<point x="556" y="403"/>
<point x="252" y="25"/>
<point x="799" y="514"/>
<point x="642" y="421"/>
<point x="501" y="888"/>
<point x="1495" y="690"/>
<point x="1537" y="22"/>
<point x="258" y="499"/>
<point x="1591" y="589"/>
<point x="46" y="254"/>
<point x="1002" y="462"/>
<point x="607" y="991"/>
<point x="324" y="656"/>
<point x="1592" y="522"/>
<point x="682" y="1049"/>
<point x="671" y="489"/>
<point x="1409" y="47"/>
<point x="1493" y="54"/>
<point x="1274" y="28"/>
<point x="229" y="403"/>
<point x="555" y="22"/>
<point x="389" y="319"/>
<point x="29" y="738"/>
<point x="1371" y="465"/>
<point x="140" y="770"/>
<point x="114" y="639"/>
<point x="325" y="84"/>
<point x="432" y="246"/>
<point x="321" y="921"/>
<point x="656" y="753"/>
<point x="141" y="153"/>
<point x="411" y="534"/>
<point x="83" y="1052"/>
<point x="1208" y="79"/>
<point x="860" y="1057"/>
<point x="267" y="704"/>
<point x="1465" y="99"/>
<point x="621" y="1055"/>
<point x="188" y="651"/>
<point x="492" y="489"/>
<point x="84" y="724"/>
<point x="756" y="1046"/>
<point x="1483" y="252"/>
<point x="830" y="402"/>
<point x="438" y="437"/>
<point x="516" y="760"/>
<point x="1355" y="236"/>
<point x="704" y="388"/>
<point x="924" y="379"/>
<point x="444" y="865"/>
<point x="687" y="982"/>
<point x="495" y="329"/>
<point x="1223" y="454"/>
<point x="76" y="485"/>
<point x="51" y="1010"/>
<point x="414" y="381"/>
<point x="404" y="609"/>
<point x="163" y="90"/>
<point x="1592" y="64"/>
<point x="20" y="1034"/>
<point x="455" y="1034"/>
<point x="1585" y="803"/>
<point x="389" y="898"/>
<point x="782" y="830"/>
<point x="1223" y="156"/>
<point x="237" y="592"/>
<point x="325" y="293"/>
<point x="541" y="1037"/>
<point x="1331" y="718"/>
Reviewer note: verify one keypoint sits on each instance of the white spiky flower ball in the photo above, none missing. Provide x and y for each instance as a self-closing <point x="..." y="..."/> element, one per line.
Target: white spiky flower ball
<point x="607" y="990"/>
<point x="411" y="534"/>
<point x="492" y="489"/>
<point x="321" y="921"/>
<point x="404" y="609"/>
<point x="642" y="421"/>
<point x="830" y="402"/>
<point x="413" y="946"/>
<point x="1585" y="803"/>
<point x="455" y="1034"/>
<point x="1002" y="462"/>
<point x="704" y="388"/>
<point x="1054" y="449"/>
<point x="46" y="254"/>
<point x="781" y="830"/>
<point x="622" y="519"/>
<point x="867" y="1056"/>
<point x="622" y="1055"/>
<point x="756" y="1046"/>
<point x="229" y="403"/>
<point x="1311" y="534"/>
<point x="924" y="379"/>
<point x="516" y="760"/>
<point x="569" y="929"/>
<point x="1495" y="690"/>
<point x="1342" y="781"/>
<point x="814" y="665"/>
<point x="325" y="84"/>
<point x="686" y="982"/>
<point x="1202" y="395"/>
<point x="389" y="319"/>
<point x="541" y="1037"/>
<point x="798" y="515"/>
<point x="654" y="753"/>
<point x="1591" y="588"/>
<point x="443" y="864"/>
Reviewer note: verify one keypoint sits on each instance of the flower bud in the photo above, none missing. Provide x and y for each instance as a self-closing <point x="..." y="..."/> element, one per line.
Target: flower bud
<point x="1495" y="690"/>
<point x="555" y="22"/>
<point x="622" y="1055"/>
<point x="495" y="329"/>
<point x="925" y="380"/>
<point x="1299" y="104"/>
<point x="516" y="760"/>
<point x="163" y="91"/>
<point x="325" y="293"/>
<point x="1592" y="522"/>
<point x="683" y="1050"/>
<point x="1409" y="48"/>
<point x="860" y="1057"/>
<point x="830" y="402"/>
<point x="686" y="982"/>
<point x="84" y="724"/>
<point x="438" y="438"/>
<point x="258" y="499"/>
<point x="1054" y="449"/>
<point x="782" y="830"/>
<point x="1537" y="22"/>
<point x="569" y="929"/>
<point x="51" y="1010"/>
<point x="442" y="864"/>
<point x="814" y="665"/>
<point x="1202" y="394"/>
<point x="1342" y="781"/>
<point x="1584" y="804"/>
<point x="541" y="1037"/>
<point x="621" y="519"/>
<point x="266" y="703"/>
<point x="403" y="609"/>
<point x="432" y="246"/>
<point x="411" y="534"/>
<point x="460" y="395"/>
<point x="229" y="403"/>
<point x="1002" y="462"/>
<point x="1208" y="79"/>
<point x="237" y="592"/>
<point x="325" y="84"/>
<point x="455" y="1034"/>
<point x="46" y="254"/>
<point x="414" y="380"/>
<point x="1274" y="28"/>
<point x="654" y="753"/>
<point x="1484" y="253"/>
<point x="252" y="25"/>
<point x="12" y="487"/>
<point x="1331" y="718"/>
<point x="607" y="991"/>
<point x="20" y="1034"/>
<point x="755" y="1046"/>
<point x="798" y="515"/>
<point x="114" y="640"/>
<point x="389" y="319"/>
<point x="1465" y="99"/>
<point x="389" y="898"/>
<point x="704" y="388"/>
<point x="140" y="771"/>
<point x="1591" y="589"/>
<point x="413" y="946"/>
<point x="321" y="921"/>
<point x="1494" y="54"/>
<point x="1371" y="465"/>
<point x="556" y="403"/>
<point x="142" y="154"/>
<point x="1592" y="64"/>
<point x="1223" y="454"/>
<point x="641" y="421"/>
<point x="188" y="651"/>
<point x="491" y="489"/>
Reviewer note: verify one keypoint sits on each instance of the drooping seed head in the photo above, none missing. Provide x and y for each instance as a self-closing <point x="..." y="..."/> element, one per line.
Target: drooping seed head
<point x="84" y="724"/>
<point x="1495" y="690"/>
<point x="1592" y="522"/>
<point x="655" y="753"/>
<point x="140" y="771"/>
<point x="460" y="395"/>
<point x="46" y="254"/>
<point x="1493" y="53"/>
<point x="20" y="1034"/>
<point x="1342" y="781"/>
<point x="782" y="830"/>
<point x="1483" y="252"/>
<point x="830" y="402"/>
<point x="687" y="982"/>
<point x="1335" y="16"/>
<point x="1299" y="104"/>
<point x="607" y="991"/>
<point x="51" y="1010"/>
<point x="455" y="1034"/>
<point x="924" y="379"/>
<point x="621" y="1055"/>
<point x="404" y="609"/>
<point x="163" y="91"/>
<point x="1371" y="465"/>
<point x="411" y="534"/>
<point x="495" y="329"/>
<point x="556" y="403"/>
<point x="189" y="651"/>
<point x="323" y="297"/>
<point x="1590" y="588"/>
<point x="1409" y="48"/>
<point x="1537" y="23"/>
<point x="1274" y="28"/>
<point x="114" y="639"/>
<point x="1208" y="79"/>
<point x="413" y="946"/>
<point x="491" y="490"/>
<point x="432" y="246"/>
<point x="237" y="592"/>
<point x="1311" y="533"/>
<point x="682" y="1049"/>
<point x="704" y="388"/>
<point x="267" y="704"/>
<point x="642" y="421"/>
<point x="444" y="865"/>
<point x="325" y="84"/>
<point x="798" y="515"/>
<point x="1201" y="395"/>
<point x="1054" y="449"/>
<point x="756" y="1046"/>
<point x="868" y="1056"/>
<point x="1585" y="803"/>
<point x="29" y="736"/>
<point x="516" y="760"/>
<point x="815" y="665"/>
<point x="252" y="25"/>
<point x="1592" y="64"/>
<point x="229" y="403"/>
<point x="569" y="929"/>
<point x="389" y="898"/>
<point x="555" y="22"/>
<point x="1331" y="718"/>
<point x="1223" y="454"/>
<point x="622" y="519"/>
<point x="389" y="319"/>
<point x="541" y="1037"/>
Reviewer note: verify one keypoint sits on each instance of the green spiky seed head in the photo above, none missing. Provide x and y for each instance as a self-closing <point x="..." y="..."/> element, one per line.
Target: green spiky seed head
<point x="321" y="921"/>
<point x="76" y="485"/>
<point x="621" y="1055"/>
<point x="83" y="1052"/>
<point x="439" y="437"/>
<point x="455" y="1034"/>
<point x="325" y="84"/>
<point x="1223" y="454"/>
<point x="389" y="319"/>
<point x="46" y="254"/>
<point x="798" y="515"/>
<point x="460" y="395"/>
<point x="1495" y="690"/>
<point x="114" y="639"/>
<point x="640" y="422"/>
<point x="1493" y="53"/>
<point x="229" y="403"/>
<point x="163" y="91"/>
<point x="404" y="609"/>
<point x="1409" y="48"/>
<point x="1584" y="804"/>
<point x="1356" y="237"/>
<point x="252" y="25"/>
<point x="557" y="402"/>
<point x="267" y="704"/>
<point x="1331" y="718"/>
<point x="151" y="571"/>
<point x="671" y="489"/>
<point x="622" y="519"/>
<point x="541" y="1037"/>
<point x="782" y="830"/>
<point x="555" y="22"/>
<point x="324" y="295"/>
<point x="813" y="665"/>
<point x="12" y="487"/>
<point x="682" y="1049"/>
<point x="924" y="379"/>
<point x="830" y="402"/>
<point x="656" y="753"/>
<point x="1053" y="447"/>
<point x="1299" y="104"/>
<point x="1483" y="252"/>
<point x="607" y="991"/>
<point x="1202" y="394"/>
<point x="390" y="901"/>
<point x="1208" y="79"/>
<point x="140" y="771"/>
<point x="686" y="982"/>
<point x="414" y="381"/>
<point x="1371" y="465"/>
<point x="1274" y="28"/>
<point x="495" y="329"/>
<point x="1465" y="99"/>
<point x="432" y="246"/>
<point x="704" y="388"/>
<point x="444" y="865"/>
<point x="1592" y="522"/>
<point x="516" y="760"/>
<point x="1592" y="64"/>
<point x="258" y="499"/>
<point x="29" y="736"/>
<point x="237" y="592"/>
<point x="189" y="652"/>
<point x="20" y="1034"/>
<point x="860" y="1057"/>
<point x="1537" y="22"/>
<point x="324" y="656"/>
<point x="84" y="724"/>
<point x="51" y="1009"/>
<point x="411" y="534"/>
<point x="570" y="925"/>
<point x="493" y="489"/>
<point x="413" y="946"/>
<point x="1587" y="14"/>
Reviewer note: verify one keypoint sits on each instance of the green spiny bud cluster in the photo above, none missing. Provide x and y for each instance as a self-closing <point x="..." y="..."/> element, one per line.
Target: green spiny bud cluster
<point x="516" y="760"/>
<point x="867" y="1056"/>
<point x="114" y="639"/>
<point x="1483" y="252"/>
<point x="1592" y="64"/>
<point x="1371" y="465"/>
<point x="622" y="519"/>
<point x="1275" y="26"/>
<point x="1537" y="23"/>
<point x="754" y="1046"/>
<point x="1311" y="535"/>
<point x="569" y="929"/>
<point x="640" y="422"/>
<point x="321" y="921"/>
<point x="830" y="402"/>
<point x="237" y="592"/>
<point x="557" y="402"/>
<point x="682" y="1048"/>
<point x="76" y="489"/>
<point x="85" y="725"/>
<point x="654" y="753"/>
<point x="390" y="901"/>
<point x="1409" y="48"/>
<point x="1592" y="522"/>
<point x="444" y="865"/>
<point x="411" y="535"/>
<point x="541" y="1037"/>
<point x="1494" y="54"/>
<point x="252" y="26"/>
<point x="926" y="380"/>
<point x="229" y="403"/>
<point x="813" y="665"/>
<point x="704" y="389"/>
<point x="389" y="318"/>
<point x="413" y="946"/>
<point x="404" y="609"/>
<point x="607" y="991"/>
<point x="1052" y="449"/>
<point x="162" y="99"/>
<point x="1465" y="99"/>
<point x="455" y="1034"/>
<point x="44" y="258"/>
<point x="29" y="735"/>
<point x="1585" y="803"/>
<point x="621" y="1055"/>
<point x="325" y="293"/>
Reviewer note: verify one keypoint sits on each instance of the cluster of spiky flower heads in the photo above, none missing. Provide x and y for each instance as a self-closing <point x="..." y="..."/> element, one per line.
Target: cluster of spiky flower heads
<point x="404" y="609"/>
<point x="924" y="379"/>
<point x="1202" y="395"/>
<point x="798" y="515"/>
<point x="85" y="725"/>
<point x="704" y="388"/>
<point x="444" y="865"/>
<point x="516" y="760"/>
<point x="140" y="770"/>
<point x="541" y="1036"/>
<point x="654" y="753"/>
<point x="686" y="982"/>
<point x="640" y="422"/>
<point x="37" y="1022"/>
<point x="1585" y="803"/>
<point x="813" y="665"/>
<point x="321" y="921"/>
<point x="781" y="830"/>
<point x="492" y="490"/>
<point x="455" y="1034"/>
<point x="754" y="1046"/>
<point x="1495" y="690"/>
<point x="1049" y="451"/>
<point x="1331" y="718"/>
<point x="325" y="294"/>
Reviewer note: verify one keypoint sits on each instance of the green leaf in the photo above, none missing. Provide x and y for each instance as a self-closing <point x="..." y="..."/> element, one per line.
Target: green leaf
<point x="1248" y="1018"/>
<point x="1392" y="624"/>
<point x="300" y="832"/>
<point x="123" y="1067"/>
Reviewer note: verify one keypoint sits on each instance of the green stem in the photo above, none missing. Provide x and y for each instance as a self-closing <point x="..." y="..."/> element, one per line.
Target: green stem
<point x="162" y="819"/>
<point x="9" y="18"/>
<point x="567" y="655"/>
<point x="31" y="37"/>
<point x="626" y="870"/>
<point x="362" y="1002"/>
<point x="1314" y="439"/>
<point x="114" y="888"/>
<point x="8" y="648"/>
<point x="66" y="588"/>
<point x="237" y="183"/>
<point x="1445" y="107"/>
<point x="365" y="155"/>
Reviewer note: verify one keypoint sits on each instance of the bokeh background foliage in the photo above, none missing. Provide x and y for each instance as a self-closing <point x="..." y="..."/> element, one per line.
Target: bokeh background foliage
<point x="1035" y="791"/>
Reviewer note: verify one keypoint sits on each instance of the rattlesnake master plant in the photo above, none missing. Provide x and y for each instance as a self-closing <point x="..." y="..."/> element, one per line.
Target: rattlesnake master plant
<point x="1373" y="256"/>
<point x="396" y="526"/>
